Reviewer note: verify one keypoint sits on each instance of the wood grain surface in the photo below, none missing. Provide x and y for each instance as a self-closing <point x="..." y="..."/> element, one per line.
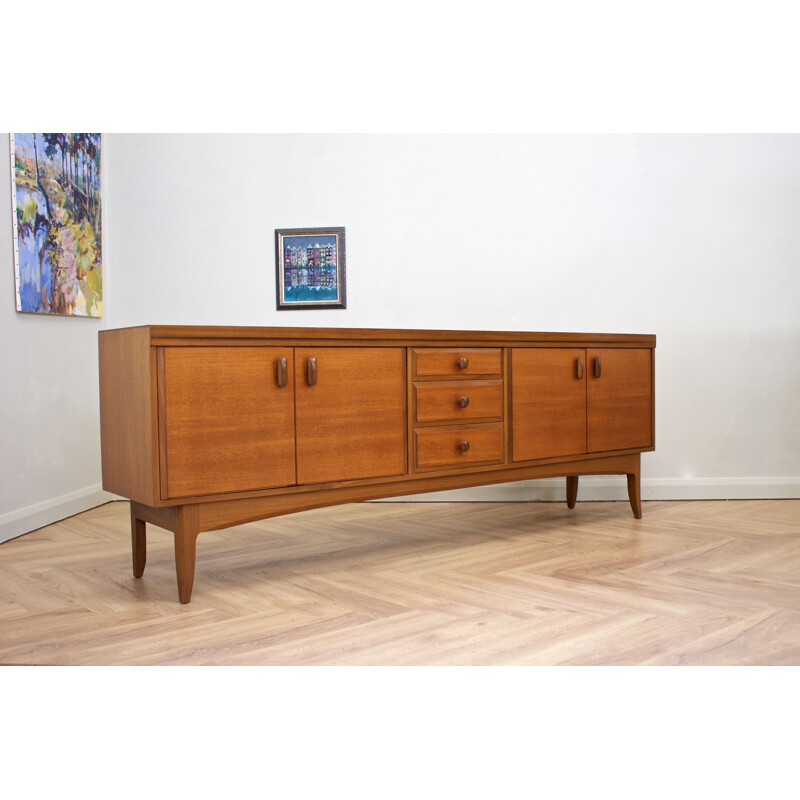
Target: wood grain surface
<point x="439" y="447"/>
<point x="548" y="403"/>
<point x="695" y="583"/>
<point x="456" y="362"/>
<point x="128" y="422"/>
<point x="352" y="422"/>
<point x="441" y="401"/>
<point x="619" y="402"/>
<point x="228" y="426"/>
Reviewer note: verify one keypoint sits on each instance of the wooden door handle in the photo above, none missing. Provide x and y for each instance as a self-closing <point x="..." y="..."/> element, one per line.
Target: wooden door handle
<point x="311" y="371"/>
<point x="282" y="372"/>
<point x="463" y="401"/>
<point x="462" y="362"/>
<point x="579" y="367"/>
<point x="463" y="446"/>
<point x="597" y="369"/>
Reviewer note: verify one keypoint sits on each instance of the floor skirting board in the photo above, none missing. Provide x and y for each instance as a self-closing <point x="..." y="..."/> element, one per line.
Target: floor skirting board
<point x="30" y="518"/>
<point x="615" y="488"/>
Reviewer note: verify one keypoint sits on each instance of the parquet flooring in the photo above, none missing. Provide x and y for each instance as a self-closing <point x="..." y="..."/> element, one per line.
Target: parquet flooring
<point x="702" y="582"/>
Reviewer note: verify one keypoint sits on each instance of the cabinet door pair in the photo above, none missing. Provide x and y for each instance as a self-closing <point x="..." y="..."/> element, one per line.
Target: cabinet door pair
<point x="234" y="419"/>
<point x="571" y="401"/>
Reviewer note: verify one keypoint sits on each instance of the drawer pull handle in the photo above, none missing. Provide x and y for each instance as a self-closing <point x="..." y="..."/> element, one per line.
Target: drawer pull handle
<point x="579" y="367"/>
<point x="463" y="401"/>
<point x="597" y="366"/>
<point x="312" y="371"/>
<point x="463" y="446"/>
<point x="283" y="372"/>
<point x="462" y="362"/>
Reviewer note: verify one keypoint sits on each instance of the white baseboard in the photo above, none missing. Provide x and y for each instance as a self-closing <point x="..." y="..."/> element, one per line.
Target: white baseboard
<point x="29" y="518"/>
<point x="616" y="488"/>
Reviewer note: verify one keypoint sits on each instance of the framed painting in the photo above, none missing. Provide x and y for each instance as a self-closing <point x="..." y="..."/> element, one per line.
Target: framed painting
<point x="55" y="190"/>
<point x="310" y="268"/>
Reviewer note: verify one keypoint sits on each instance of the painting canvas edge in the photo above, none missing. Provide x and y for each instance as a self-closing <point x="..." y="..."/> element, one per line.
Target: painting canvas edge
<point x="14" y="231"/>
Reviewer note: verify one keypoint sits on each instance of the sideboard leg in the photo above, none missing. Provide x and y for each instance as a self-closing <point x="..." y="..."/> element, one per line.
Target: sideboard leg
<point x="572" y="490"/>
<point x="187" y="529"/>
<point x="635" y="492"/>
<point x="138" y="544"/>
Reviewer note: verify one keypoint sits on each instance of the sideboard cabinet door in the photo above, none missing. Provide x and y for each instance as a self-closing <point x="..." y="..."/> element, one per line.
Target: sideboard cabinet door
<point x="548" y="402"/>
<point x="351" y="413"/>
<point x="226" y="424"/>
<point x="619" y="394"/>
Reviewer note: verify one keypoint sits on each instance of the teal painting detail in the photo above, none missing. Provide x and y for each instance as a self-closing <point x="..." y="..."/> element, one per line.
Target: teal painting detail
<point x="310" y="269"/>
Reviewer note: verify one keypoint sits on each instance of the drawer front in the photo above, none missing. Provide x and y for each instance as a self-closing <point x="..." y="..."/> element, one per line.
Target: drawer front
<point x="445" y="362"/>
<point x="443" y="448"/>
<point x="453" y="401"/>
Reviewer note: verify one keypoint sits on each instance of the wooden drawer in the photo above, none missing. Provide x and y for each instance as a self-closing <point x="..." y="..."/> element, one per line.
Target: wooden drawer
<point x="445" y="362"/>
<point x="454" y="401"/>
<point x="440" y="447"/>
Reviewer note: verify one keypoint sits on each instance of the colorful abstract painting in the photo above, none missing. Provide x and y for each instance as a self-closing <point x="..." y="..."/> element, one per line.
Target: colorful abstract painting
<point x="310" y="268"/>
<point x="55" y="186"/>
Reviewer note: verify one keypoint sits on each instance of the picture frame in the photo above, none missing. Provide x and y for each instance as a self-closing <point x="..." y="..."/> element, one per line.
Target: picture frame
<point x="310" y="268"/>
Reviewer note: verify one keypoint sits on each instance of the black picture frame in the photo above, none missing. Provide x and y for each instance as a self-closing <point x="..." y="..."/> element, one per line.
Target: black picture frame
<point x="310" y="268"/>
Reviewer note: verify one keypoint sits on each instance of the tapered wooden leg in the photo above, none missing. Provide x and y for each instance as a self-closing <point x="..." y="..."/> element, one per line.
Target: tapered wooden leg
<point x="635" y="492"/>
<point x="186" y="532"/>
<point x="572" y="490"/>
<point x="138" y="544"/>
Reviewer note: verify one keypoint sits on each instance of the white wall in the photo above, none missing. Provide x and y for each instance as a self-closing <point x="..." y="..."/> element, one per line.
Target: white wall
<point x="50" y="436"/>
<point x="691" y="237"/>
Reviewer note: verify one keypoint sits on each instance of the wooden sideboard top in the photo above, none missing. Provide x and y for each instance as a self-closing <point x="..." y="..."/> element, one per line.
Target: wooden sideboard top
<point x="186" y="334"/>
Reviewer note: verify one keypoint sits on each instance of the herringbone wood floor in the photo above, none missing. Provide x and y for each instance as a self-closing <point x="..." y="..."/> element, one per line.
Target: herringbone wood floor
<point x="707" y="582"/>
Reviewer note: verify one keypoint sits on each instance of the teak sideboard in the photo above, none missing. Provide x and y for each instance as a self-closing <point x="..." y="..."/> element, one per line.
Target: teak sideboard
<point x="207" y="427"/>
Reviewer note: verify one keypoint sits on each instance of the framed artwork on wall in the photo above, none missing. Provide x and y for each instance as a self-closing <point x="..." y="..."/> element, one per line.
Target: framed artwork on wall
<point x="310" y="268"/>
<point x="55" y="191"/>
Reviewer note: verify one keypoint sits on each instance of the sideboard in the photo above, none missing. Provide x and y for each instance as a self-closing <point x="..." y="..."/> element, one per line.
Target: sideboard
<point x="205" y="427"/>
